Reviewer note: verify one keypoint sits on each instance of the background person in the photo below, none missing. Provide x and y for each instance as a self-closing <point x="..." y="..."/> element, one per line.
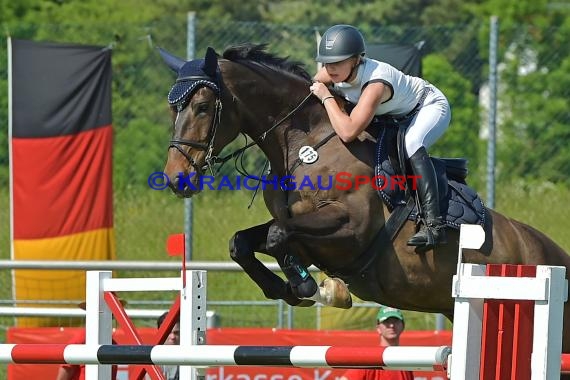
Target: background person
<point x="77" y="371"/>
<point x="389" y="325"/>
<point x="171" y="372"/>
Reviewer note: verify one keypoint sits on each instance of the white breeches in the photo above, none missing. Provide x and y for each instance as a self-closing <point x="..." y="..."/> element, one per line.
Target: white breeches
<point x="429" y="123"/>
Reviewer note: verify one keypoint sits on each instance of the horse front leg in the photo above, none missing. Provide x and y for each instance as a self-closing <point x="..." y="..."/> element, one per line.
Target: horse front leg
<point x="299" y="232"/>
<point x="243" y="246"/>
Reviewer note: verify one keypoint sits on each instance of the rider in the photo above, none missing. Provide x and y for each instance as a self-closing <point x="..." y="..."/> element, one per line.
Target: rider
<point x="377" y="88"/>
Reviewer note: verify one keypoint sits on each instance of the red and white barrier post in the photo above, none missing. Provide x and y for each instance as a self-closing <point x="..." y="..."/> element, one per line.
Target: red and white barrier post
<point x="503" y="324"/>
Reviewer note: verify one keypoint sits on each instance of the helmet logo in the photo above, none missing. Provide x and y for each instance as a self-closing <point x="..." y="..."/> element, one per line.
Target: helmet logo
<point x="329" y="42"/>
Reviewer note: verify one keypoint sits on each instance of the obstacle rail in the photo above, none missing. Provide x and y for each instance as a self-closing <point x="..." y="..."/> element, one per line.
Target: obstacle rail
<point x="507" y="324"/>
<point x="542" y="290"/>
<point x="410" y="357"/>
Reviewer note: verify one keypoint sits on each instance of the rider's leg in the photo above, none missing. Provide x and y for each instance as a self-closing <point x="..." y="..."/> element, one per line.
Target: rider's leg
<point x="429" y="124"/>
<point x="432" y="232"/>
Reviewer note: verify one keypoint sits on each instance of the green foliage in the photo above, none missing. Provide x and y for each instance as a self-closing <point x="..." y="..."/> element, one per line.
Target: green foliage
<point x="536" y="97"/>
<point x="464" y="114"/>
<point x="365" y="14"/>
<point x="538" y="13"/>
<point x="144" y="219"/>
<point x="533" y="109"/>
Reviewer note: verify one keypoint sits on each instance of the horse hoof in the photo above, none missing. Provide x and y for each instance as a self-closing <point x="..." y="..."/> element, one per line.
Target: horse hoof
<point x="292" y="300"/>
<point x="334" y="292"/>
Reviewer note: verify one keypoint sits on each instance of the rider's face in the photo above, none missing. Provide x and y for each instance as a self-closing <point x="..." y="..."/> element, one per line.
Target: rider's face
<point x="340" y="71"/>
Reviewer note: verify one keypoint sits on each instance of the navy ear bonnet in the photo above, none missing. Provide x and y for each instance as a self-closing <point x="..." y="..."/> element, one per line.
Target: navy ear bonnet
<point x="192" y="75"/>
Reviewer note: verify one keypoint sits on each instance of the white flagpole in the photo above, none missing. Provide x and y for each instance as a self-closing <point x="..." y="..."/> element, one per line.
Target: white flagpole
<point x="10" y="160"/>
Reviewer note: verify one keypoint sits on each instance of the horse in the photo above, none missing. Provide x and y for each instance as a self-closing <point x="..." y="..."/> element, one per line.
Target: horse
<point x="251" y="91"/>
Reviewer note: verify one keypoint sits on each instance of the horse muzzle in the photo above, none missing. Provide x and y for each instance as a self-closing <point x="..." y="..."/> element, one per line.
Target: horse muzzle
<point x="185" y="185"/>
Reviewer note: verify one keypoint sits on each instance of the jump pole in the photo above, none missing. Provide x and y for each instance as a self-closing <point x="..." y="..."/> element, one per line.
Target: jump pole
<point x="100" y="289"/>
<point x="471" y="288"/>
<point x="395" y="357"/>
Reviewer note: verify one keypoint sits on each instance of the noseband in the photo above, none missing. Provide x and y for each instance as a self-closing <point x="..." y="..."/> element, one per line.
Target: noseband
<point x="179" y="96"/>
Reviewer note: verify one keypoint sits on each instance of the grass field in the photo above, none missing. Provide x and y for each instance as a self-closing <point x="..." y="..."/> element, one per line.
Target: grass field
<point x="144" y="219"/>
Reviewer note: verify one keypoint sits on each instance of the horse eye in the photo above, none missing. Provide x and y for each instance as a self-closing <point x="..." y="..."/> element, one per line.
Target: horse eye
<point x="202" y="108"/>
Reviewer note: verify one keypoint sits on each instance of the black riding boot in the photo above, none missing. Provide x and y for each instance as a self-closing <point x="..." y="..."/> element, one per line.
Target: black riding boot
<point x="432" y="232"/>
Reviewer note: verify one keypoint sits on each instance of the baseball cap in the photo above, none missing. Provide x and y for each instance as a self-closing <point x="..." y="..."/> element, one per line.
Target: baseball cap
<point x="389" y="312"/>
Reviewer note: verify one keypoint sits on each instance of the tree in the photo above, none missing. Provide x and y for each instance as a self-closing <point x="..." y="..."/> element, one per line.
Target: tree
<point x="533" y="93"/>
<point x="462" y="137"/>
<point x="456" y="39"/>
<point x="140" y="80"/>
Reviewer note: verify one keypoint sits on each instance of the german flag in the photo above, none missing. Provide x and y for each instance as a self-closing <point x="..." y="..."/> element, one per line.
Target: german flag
<point x="61" y="166"/>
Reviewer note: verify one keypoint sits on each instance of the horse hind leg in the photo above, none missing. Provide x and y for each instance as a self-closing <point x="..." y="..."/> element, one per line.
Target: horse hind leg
<point x="243" y="246"/>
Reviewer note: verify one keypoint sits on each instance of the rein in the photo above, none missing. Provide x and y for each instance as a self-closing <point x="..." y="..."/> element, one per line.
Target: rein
<point x="260" y="138"/>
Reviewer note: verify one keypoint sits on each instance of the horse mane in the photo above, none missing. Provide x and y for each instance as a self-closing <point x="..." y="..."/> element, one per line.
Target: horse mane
<point x="257" y="53"/>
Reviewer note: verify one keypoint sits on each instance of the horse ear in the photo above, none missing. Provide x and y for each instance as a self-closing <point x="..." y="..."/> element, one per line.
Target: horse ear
<point x="210" y="62"/>
<point x="171" y="60"/>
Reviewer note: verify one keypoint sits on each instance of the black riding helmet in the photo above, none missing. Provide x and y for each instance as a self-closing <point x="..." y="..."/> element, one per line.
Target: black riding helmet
<point x="339" y="43"/>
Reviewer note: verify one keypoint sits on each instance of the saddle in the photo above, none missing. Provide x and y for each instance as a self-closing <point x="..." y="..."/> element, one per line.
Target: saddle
<point x="459" y="203"/>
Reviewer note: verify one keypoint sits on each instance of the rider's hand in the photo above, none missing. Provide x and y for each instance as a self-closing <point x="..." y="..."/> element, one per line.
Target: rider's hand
<point x="320" y="90"/>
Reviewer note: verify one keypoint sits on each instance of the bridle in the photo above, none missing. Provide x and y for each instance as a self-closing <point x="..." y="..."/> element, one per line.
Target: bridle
<point x="182" y="100"/>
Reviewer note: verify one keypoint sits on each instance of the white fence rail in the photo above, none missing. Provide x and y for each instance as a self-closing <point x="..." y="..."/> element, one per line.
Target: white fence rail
<point x="132" y="265"/>
<point x="284" y="312"/>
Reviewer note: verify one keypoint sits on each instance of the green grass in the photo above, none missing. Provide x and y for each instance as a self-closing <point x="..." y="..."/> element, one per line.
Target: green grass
<point x="144" y="219"/>
<point x="543" y="206"/>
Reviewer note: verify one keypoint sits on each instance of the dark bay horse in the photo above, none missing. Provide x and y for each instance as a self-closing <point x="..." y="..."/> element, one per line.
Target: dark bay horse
<point x="253" y="92"/>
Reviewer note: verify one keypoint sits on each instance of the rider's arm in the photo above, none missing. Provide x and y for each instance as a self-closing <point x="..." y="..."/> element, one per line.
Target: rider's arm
<point x="348" y="127"/>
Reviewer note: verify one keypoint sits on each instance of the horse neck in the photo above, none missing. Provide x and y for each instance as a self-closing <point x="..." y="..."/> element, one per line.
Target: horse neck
<point x="282" y="143"/>
<point x="264" y="105"/>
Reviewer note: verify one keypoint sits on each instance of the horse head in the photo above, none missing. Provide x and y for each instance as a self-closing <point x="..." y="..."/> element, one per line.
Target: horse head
<point x="195" y="102"/>
<point x="256" y="90"/>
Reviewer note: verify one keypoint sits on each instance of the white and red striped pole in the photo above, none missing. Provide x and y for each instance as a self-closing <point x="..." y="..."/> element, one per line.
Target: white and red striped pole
<point x="395" y="357"/>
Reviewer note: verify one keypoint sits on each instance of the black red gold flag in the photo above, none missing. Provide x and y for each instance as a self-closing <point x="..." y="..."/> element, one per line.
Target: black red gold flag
<point x="60" y="166"/>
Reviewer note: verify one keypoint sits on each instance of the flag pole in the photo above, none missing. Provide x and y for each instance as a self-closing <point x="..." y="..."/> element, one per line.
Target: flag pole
<point x="10" y="159"/>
